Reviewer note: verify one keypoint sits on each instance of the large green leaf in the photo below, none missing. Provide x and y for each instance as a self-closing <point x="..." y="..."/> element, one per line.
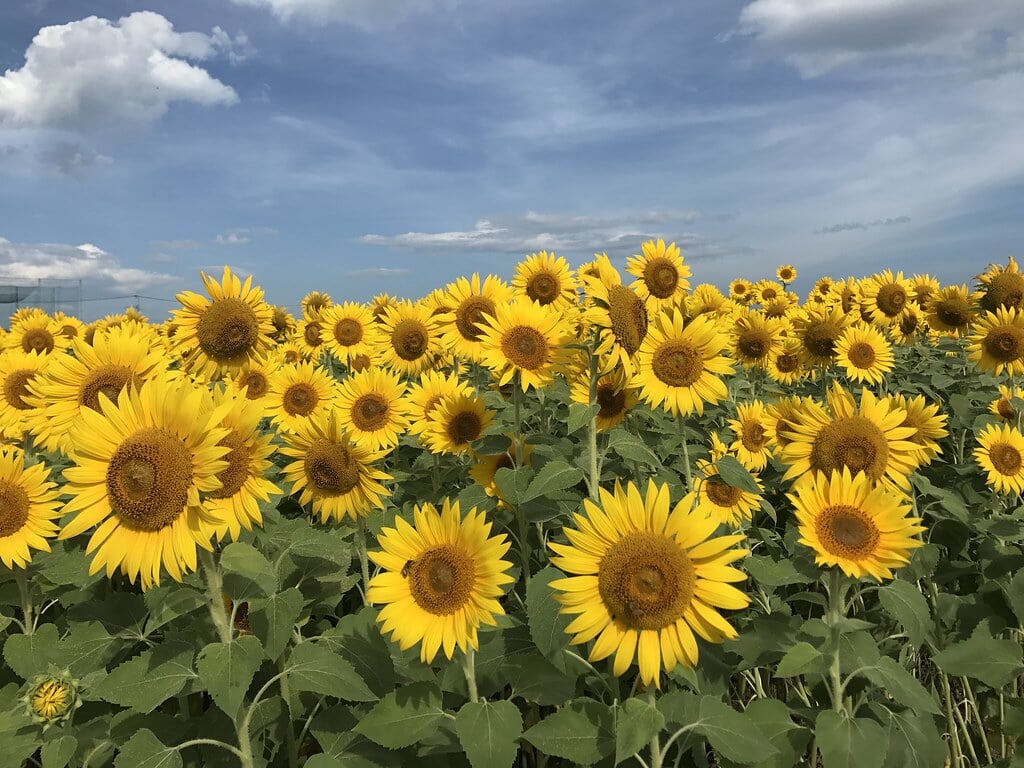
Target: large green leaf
<point x="802" y="658"/>
<point x="735" y="474"/>
<point x="489" y="731"/>
<point x="247" y="573"/>
<point x="226" y="671"/>
<point x="732" y="734"/>
<point x="273" y="620"/>
<point x="583" y="732"/>
<point x="547" y="625"/>
<point x="513" y="483"/>
<point x="850" y="742"/>
<point x="86" y="648"/>
<point x="553" y="476"/>
<point x="993" y="661"/>
<point x="901" y="685"/>
<point x="774" y="720"/>
<point x="905" y="603"/>
<point x="148" y="680"/>
<point x="357" y="637"/>
<point x="314" y="667"/>
<point x="57" y="753"/>
<point x="403" y="717"/>
<point x="914" y="741"/>
<point x="636" y="722"/>
<point x="144" y="750"/>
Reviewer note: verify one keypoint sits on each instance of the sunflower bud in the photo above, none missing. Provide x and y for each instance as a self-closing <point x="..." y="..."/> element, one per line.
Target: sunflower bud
<point x="52" y="697"/>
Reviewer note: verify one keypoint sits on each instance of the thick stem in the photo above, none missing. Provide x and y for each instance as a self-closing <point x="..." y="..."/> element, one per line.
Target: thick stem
<point x="215" y="595"/>
<point x="469" y="670"/>
<point x="364" y="560"/>
<point x="26" y="600"/>
<point x="657" y="755"/>
<point x="594" y="475"/>
<point x="836" y="594"/>
<point x="289" y="732"/>
<point x="977" y="718"/>
<point x="518" y="454"/>
<point x="686" y="452"/>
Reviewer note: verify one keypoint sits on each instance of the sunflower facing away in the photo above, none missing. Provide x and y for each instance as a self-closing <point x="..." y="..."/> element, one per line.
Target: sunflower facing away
<point x="661" y="274"/>
<point x="849" y="522"/>
<point x="371" y="408"/>
<point x="617" y="314"/>
<point x="865" y="353"/>
<point x="28" y="508"/>
<point x="141" y="465"/>
<point x="441" y="579"/>
<point x="1000" y="453"/>
<point x="525" y="338"/>
<point x="644" y="579"/>
<point x="681" y="368"/>
<point x="997" y="343"/>
<point x="337" y="476"/>
<point x="545" y="279"/>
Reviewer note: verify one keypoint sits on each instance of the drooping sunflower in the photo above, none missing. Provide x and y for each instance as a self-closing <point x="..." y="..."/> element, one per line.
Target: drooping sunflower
<point x="865" y="353"/>
<point x="884" y="297"/>
<point x="254" y="379"/>
<point x="997" y="343"/>
<point x="617" y="315"/>
<point x="116" y="359"/>
<point x="441" y="579"/>
<point x="1002" y="407"/>
<point x="298" y="392"/>
<point x="142" y="465"/>
<point x="455" y="423"/>
<point x="950" y="311"/>
<point x="423" y="396"/>
<point x="644" y="579"/>
<point x="472" y="300"/>
<point x="614" y="397"/>
<point x="332" y="472"/>
<point x="244" y="482"/>
<point x="525" y="338"/>
<point x="1000" y="287"/>
<point x="756" y="338"/>
<point x="786" y="273"/>
<point x="18" y="370"/>
<point x="867" y="438"/>
<point x="680" y="368"/>
<point x="546" y="279"/>
<point x="849" y="522"/>
<point x="929" y="425"/>
<point x="724" y="503"/>
<point x="37" y="333"/>
<point x="409" y="340"/>
<point x="661" y="275"/>
<point x="28" y="508"/>
<point x="349" y="331"/>
<point x="753" y="441"/>
<point x="371" y="408"/>
<point x="222" y="333"/>
<point x="1000" y="453"/>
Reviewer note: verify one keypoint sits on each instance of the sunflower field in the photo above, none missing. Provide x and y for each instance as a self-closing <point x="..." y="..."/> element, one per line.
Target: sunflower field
<point x="582" y="517"/>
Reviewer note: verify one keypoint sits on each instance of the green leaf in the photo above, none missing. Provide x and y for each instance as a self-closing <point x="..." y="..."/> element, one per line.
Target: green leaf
<point x="847" y="742"/>
<point x="905" y="603"/>
<point x="247" y="573"/>
<point x="582" y="732"/>
<point x="536" y="679"/>
<point x="58" y="752"/>
<point x="489" y="731"/>
<point x="774" y="720"/>
<point x="901" y="685"/>
<point x="273" y="620"/>
<point x="144" y="750"/>
<point x="800" y="659"/>
<point x="580" y="416"/>
<point x="226" y="671"/>
<point x="774" y="573"/>
<point x="635" y="725"/>
<point x="86" y="648"/>
<point x="403" y="717"/>
<point x="358" y="639"/>
<point x="547" y="625"/>
<point x="512" y="483"/>
<point x="914" y="741"/>
<point x="148" y="680"/>
<point x="632" y="448"/>
<point x="312" y="667"/>
<point x="983" y="657"/>
<point x="553" y="476"/>
<point x="732" y="734"/>
<point x="1015" y="594"/>
<point x="735" y="474"/>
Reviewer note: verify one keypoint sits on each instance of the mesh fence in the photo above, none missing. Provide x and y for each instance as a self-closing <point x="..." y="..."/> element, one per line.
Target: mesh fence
<point x="50" y="295"/>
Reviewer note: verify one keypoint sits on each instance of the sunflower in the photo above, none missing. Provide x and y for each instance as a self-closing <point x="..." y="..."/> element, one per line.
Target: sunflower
<point x="786" y="273"/>
<point x="69" y="327"/>
<point x="1000" y="453"/>
<point x="371" y="408"/>
<point x="115" y="360"/>
<point x="768" y="291"/>
<point x="314" y="304"/>
<point x="923" y="288"/>
<point x="312" y="337"/>
<point x="756" y="338"/>
<point x="782" y="416"/>
<point x="140" y="467"/>
<point x="910" y="327"/>
<point x="865" y="353"/>
<point x="463" y="329"/>
<point x="753" y="440"/>
<point x="884" y="297"/>
<point x="681" y="368"/>
<point x="28" y="508"/>
<point x="1001" y="287"/>
<point x="822" y="287"/>
<point x="292" y="352"/>
<point x="741" y="291"/>
<point x="38" y="333"/>
<point x="617" y="315"/>
<point x="786" y="366"/>
<point x="244" y="482"/>
<point x="441" y="579"/>
<point x="349" y="330"/>
<point x="869" y="438"/>
<point x="1003" y="408"/>
<point x="849" y="522"/>
<point x="706" y="299"/>
<point x="486" y="466"/>
<point x="645" y="579"/>
<point x="614" y="397"/>
<point x="410" y="339"/>
<point x="283" y="322"/>
<point x="929" y="425"/>
<point x="818" y="329"/>
<point x="423" y="396"/>
<point x="18" y="370"/>
<point x="997" y="343"/>
<point x="546" y="279"/>
<point x="331" y="471"/>
<point x="455" y="423"/>
<point x="525" y="338"/>
<point x="724" y="503"/>
<point x="950" y="310"/>
<point x="661" y="274"/>
<point x="298" y="392"/>
<point x="381" y="302"/>
<point x="222" y="333"/>
<point x="254" y="379"/>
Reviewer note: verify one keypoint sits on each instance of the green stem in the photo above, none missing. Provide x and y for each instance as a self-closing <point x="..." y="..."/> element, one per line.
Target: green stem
<point x="962" y="724"/>
<point x="686" y="452"/>
<point x="469" y="670"/>
<point x="594" y="475"/>
<point x="26" y="600"/>
<point x="364" y="560"/>
<point x="519" y="452"/>
<point x="836" y="594"/>
<point x="435" y="475"/>
<point x="977" y="718"/>
<point x="657" y="755"/>
<point x="215" y="595"/>
<point x="289" y="733"/>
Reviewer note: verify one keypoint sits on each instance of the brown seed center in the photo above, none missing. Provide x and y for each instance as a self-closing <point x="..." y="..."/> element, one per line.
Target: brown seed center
<point x="256" y="384"/>
<point x="753" y="436"/>
<point x="854" y="442"/>
<point x="847" y="532"/>
<point x="787" y="363"/>
<point x="661" y="277"/>
<point x="464" y="428"/>
<point x="410" y="339"/>
<point x="37" y="340"/>
<point x="543" y="288"/>
<point x="227" y="329"/>
<point x="370" y="412"/>
<point x="470" y="314"/>
<point x="820" y="338"/>
<point x="311" y="334"/>
<point x="1005" y="343"/>
<point x="348" y="331"/>
<point x="720" y="493"/>
<point x="646" y="580"/>
<point x="891" y="299"/>
<point x="441" y="580"/>
<point x="16" y="387"/>
<point x="677" y="363"/>
<point x="1005" y="458"/>
<point x="754" y="343"/>
<point x="331" y="468"/>
<point x="525" y="347"/>
<point x="300" y="399"/>
<point x="862" y="354"/>
<point x="237" y="472"/>
<point x="108" y="381"/>
<point x="611" y="401"/>
<point x="953" y="312"/>
<point x="628" y="318"/>
<point x="1004" y="290"/>
<point x="14" y="506"/>
<point x="148" y="478"/>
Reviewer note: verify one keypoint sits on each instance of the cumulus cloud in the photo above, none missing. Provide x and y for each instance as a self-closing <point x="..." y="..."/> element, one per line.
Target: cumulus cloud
<point x="551" y="232"/>
<point x="94" y="71"/>
<point x="45" y="261"/>
<point x="853" y="226"/>
<point x="362" y="12"/>
<point x="819" y="35"/>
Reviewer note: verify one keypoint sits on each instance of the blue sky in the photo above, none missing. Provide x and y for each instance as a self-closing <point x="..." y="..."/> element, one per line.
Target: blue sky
<point x="361" y="146"/>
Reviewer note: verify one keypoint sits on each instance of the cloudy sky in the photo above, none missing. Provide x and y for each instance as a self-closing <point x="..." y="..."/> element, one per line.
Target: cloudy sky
<point x="360" y="146"/>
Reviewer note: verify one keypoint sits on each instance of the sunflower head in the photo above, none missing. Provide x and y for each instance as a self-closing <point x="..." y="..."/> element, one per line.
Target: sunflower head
<point x="314" y="304"/>
<point x="786" y="273"/>
<point x="52" y="697"/>
<point x="545" y="279"/>
<point x="1000" y="453"/>
<point x="661" y="274"/>
<point x="1001" y="287"/>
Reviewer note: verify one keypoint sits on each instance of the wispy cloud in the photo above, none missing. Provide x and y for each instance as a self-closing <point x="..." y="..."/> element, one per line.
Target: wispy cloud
<point x="852" y="226"/>
<point x="376" y="272"/>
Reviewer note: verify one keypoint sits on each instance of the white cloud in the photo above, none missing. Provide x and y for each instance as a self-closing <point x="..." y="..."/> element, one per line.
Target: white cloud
<point x="43" y="261"/>
<point x="820" y="35"/>
<point x="94" y="71"/>
<point x="362" y="12"/>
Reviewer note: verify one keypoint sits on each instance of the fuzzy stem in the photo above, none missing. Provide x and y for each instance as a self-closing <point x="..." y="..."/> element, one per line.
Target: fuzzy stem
<point x="977" y="717"/>
<point x="657" y="755"/>
<point x="686" y="452"/>
<point x="836" y="594"/>
<point x="469" y="670"/>
<point x="26" y="600"/>
<point x="215" y="595"/>
<point x="364" y="560"/>
<point x="289" y="733"/>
